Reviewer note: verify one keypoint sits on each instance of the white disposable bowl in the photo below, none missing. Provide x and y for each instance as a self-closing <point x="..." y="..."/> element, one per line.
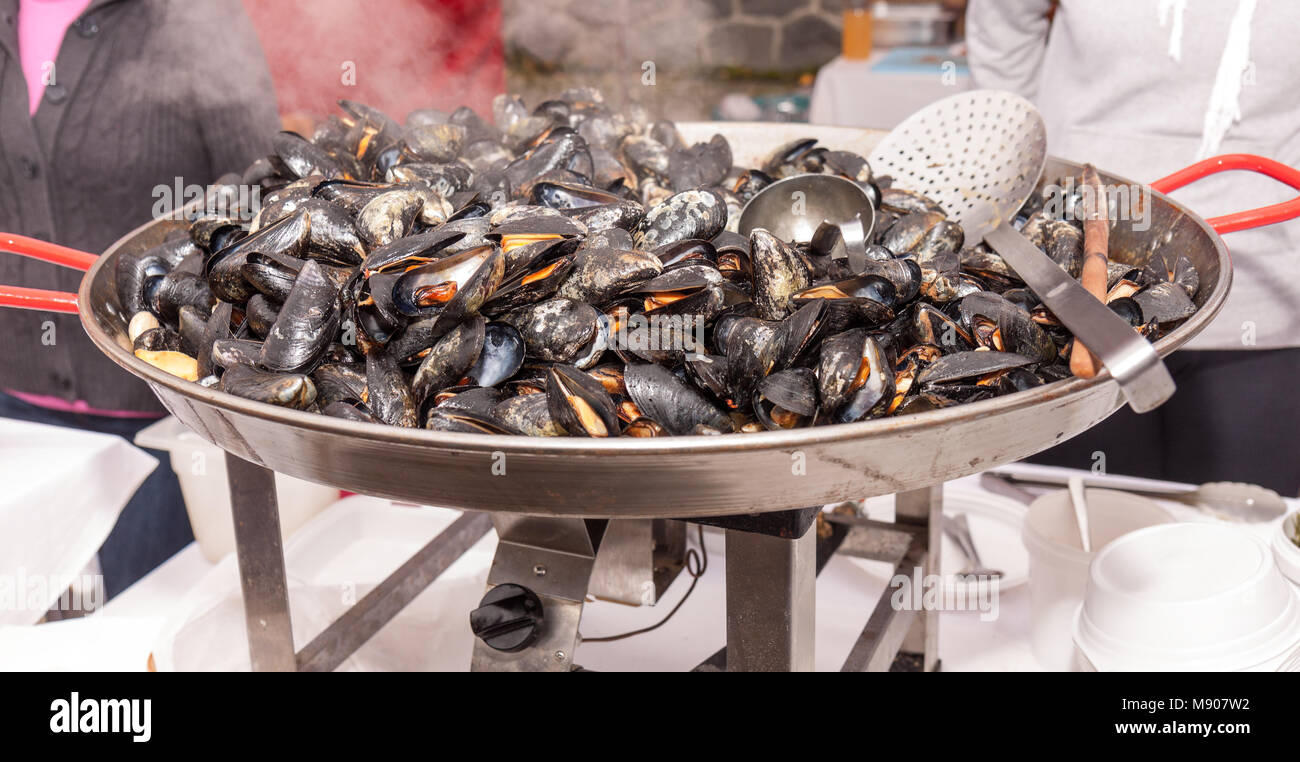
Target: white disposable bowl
<point x="1285" y="551"/>
<point x="1187" y="597"/>
<point x="1058" y="565"/>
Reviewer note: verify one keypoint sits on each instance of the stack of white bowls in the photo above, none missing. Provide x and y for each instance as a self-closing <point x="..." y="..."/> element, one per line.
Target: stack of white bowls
<point x="1187" y="597"/>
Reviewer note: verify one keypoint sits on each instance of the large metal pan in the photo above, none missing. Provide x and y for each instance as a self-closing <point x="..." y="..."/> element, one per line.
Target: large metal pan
<point x="677" y="476"/>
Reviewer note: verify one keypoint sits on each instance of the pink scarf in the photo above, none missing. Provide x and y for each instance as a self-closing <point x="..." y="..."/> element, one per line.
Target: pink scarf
<point x="41" y="26"/>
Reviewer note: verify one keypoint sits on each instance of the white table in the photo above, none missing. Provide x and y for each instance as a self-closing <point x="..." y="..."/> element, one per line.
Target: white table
<point x="123" y="634"/>
<point x="879" y="93"/>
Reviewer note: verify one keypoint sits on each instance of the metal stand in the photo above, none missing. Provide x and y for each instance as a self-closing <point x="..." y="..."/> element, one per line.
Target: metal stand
<point x="911" y="543"/>
<point x="266" y="598"/>
<point x="771" y="602"/>
<point x="772" y="563"/>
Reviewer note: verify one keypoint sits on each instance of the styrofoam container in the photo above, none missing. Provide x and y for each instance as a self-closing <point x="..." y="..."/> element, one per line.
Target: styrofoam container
<point x="1187" y="597"/>
<point x="1058" y="565"/>
<point x="1285" y="551"/>
<point x="201" y="469"/>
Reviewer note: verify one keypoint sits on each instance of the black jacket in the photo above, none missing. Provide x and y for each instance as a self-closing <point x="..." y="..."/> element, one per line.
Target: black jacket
<point x="144" y="92"/>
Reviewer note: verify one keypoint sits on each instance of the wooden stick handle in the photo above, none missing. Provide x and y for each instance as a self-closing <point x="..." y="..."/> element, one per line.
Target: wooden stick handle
<point x="1096" y="247"/>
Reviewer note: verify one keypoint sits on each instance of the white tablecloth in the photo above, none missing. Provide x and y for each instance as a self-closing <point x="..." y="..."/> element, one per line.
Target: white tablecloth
<point x="129" y="628"/>
<point x="63" y="490"/>
<point x="871" y="93"/>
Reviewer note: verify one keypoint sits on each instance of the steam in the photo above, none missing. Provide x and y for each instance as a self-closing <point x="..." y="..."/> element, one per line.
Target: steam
<point x="396" y="55"/>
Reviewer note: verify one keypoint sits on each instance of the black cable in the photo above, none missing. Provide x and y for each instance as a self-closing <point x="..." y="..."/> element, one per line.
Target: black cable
<point x="701" y="562"/>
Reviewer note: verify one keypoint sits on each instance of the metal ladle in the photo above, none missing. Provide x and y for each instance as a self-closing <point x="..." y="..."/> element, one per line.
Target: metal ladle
<point x="980" y="154"/>
<point x="817" y="209"/>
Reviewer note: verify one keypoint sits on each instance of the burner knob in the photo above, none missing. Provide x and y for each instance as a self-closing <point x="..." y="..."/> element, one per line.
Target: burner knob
<point x="509" y="618"/>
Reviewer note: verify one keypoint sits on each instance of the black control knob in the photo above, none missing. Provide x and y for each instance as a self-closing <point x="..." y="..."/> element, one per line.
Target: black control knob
<point x="509" y="618"/>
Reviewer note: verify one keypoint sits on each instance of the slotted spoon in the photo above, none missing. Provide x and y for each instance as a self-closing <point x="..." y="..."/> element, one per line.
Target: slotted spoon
<point x="979" y="154"/>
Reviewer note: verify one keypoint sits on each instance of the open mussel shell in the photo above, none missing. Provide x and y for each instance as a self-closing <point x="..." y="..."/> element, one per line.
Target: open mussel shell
<point x="293" y="390"/>
<point x="855" y="378"/>
<point x="417" y="249"/>
<point x="579" y="403"/>
<point x="535" y="279"/>
<point x="931" y="326"/>
<point x="1127" y="308"/>
<point x="1014" y="328"/>
<point x="305" y="325"/>
<point x="672" y="402"/>
<point x="451" y="287"/>
<point x="502" y="355"/>
<point x="786" y="399"/>
<point x="450" y="358"/>
<point x="866" y="300"/>
<point x="686" y="251"/>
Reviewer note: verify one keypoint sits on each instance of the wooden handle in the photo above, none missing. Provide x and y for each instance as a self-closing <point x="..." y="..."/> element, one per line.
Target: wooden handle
<point x="1096" y="247"/>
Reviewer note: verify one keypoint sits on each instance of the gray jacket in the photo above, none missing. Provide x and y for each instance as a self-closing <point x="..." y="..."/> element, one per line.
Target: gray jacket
<point x="144" y="92"/>
<point x="1119" y="88"/>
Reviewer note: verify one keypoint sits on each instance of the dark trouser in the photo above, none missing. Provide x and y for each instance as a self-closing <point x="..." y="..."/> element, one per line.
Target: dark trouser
<point x="152" y="527"/>
<point x="1235" y="417"/>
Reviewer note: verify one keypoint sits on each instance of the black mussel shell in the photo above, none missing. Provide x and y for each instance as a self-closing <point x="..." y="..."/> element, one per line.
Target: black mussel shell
<point x="675" y="404"/>
<point x="292" y="390"/>
<point x="306" y="324"/>
<point x="388" y="396"/>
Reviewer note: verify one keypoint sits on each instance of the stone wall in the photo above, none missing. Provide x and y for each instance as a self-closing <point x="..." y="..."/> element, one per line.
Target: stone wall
<point x="760" y="35"/>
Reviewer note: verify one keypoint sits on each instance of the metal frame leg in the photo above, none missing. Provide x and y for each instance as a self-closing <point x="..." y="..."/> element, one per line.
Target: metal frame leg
<point x="261" y="565"/>
<point x="922" y="509"/>
<point x="771" y="601"/>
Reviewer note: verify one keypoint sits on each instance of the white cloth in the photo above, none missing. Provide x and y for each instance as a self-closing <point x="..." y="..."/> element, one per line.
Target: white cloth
<point x="1131" y="87"/>
<point x="852" y="94"/>
<point x="63" y="492"/>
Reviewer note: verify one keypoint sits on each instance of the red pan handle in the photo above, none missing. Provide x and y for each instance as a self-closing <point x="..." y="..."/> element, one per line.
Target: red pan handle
<point x="1252" y="218"/>
<point x="38" y="298"/>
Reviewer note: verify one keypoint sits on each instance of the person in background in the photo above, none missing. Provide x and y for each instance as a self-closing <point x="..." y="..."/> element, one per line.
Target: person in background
<point x="102" y="102"/>
<point x="432" y="54"/>
<point x="1143" y="88"/>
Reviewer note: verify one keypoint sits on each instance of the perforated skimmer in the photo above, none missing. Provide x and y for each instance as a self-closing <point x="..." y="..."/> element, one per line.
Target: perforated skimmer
<point x="979" y="154"/>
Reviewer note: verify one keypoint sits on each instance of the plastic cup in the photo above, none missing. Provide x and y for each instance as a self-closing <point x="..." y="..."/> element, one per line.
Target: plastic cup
<point x="1058" y="565"/>
<point x="1187" y="597"/>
